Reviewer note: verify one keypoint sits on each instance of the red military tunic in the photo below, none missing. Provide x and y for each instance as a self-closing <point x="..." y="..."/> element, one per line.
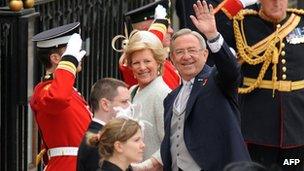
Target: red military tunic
<point x="62" y="116"/>
<point x="170" y="75"/>
<point x="127" y="75"/>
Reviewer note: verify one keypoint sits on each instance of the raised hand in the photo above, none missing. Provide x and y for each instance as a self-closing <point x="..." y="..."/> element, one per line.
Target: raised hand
<point x="160" y="12"/>
<point x="204" y="19"/>
<point x="74" y="47"/>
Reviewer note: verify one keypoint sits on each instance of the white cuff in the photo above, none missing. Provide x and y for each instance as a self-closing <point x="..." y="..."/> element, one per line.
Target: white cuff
<point x="216" y="46"/>
<point x="233" y="52"/>
<point x="145" y="165"/>
<point x="157" y="156"/>
<point x="247" y="3"/>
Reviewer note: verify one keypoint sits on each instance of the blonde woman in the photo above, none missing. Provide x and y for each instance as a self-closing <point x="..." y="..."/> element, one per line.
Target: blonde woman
<point x="145" y="56"/>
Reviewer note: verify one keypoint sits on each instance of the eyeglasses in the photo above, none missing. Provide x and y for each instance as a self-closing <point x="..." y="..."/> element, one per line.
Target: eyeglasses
<point x="190" y="51"/>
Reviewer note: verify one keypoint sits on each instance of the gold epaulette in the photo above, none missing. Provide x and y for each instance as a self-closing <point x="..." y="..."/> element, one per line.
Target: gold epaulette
<point x="244" y="12"/>
<point x="296" y="11"/>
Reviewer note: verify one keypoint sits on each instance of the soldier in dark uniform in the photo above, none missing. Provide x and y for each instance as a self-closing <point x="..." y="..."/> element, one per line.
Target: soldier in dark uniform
<point x="106" y="94"/>
<point x="270" y="43"/>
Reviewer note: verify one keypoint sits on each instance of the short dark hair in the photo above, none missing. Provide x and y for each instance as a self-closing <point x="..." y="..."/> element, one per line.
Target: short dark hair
<point x="104" y="88"/>
<point x="44" y="54"/>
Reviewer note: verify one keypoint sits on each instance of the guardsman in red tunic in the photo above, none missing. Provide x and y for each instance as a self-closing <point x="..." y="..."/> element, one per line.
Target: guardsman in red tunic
<point x="61" y="112"/>
<point x="141" y="19"/>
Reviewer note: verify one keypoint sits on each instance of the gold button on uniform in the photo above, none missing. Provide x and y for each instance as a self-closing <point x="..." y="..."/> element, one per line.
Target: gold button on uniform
<point x="283" y="53"/>
<point x="279" y="25"/>
<point x="283" y="45"/>
<point x="284" y="76"/>
<point x="284" y="69"/>
<point x="283" y="61"/>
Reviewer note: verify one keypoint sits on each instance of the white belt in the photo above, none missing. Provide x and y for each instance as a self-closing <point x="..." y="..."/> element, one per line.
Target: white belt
<point x="63" y="151"/>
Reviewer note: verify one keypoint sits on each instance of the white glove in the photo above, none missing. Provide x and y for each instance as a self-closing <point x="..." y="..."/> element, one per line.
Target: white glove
<point x="145" y="165"/>
<point x="160" y="12"/>
<point x="247" y="3"/>
<point x="74" y="47"/>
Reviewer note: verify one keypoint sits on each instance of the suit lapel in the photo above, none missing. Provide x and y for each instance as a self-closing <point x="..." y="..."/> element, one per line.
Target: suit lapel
<point x="171" y="99"/>
<point x="199" y="82"/>
<point x="169" y="103"/>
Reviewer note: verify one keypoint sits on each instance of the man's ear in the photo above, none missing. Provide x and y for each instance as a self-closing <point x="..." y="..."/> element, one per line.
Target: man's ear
<point x="118" y="146"/>
<point x="104" y="104"/>
<point x="205" y="53"/>
<point x="55" y="58"/>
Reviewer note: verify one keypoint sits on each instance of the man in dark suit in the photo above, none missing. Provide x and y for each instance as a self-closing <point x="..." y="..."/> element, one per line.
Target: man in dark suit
<point x="106" y="94"/>
<point x="204" y="134"/>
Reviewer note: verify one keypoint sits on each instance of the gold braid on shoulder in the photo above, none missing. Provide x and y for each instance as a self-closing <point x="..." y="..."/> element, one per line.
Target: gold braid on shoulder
<point x="296" y="11"/>
<point x="264" y="54"/>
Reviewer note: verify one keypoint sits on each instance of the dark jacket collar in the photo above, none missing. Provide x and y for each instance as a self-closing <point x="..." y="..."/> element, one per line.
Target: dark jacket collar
<point x="95" y="127"/>
<point x="200" y="81"/>
<point x="108" y="166"/>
